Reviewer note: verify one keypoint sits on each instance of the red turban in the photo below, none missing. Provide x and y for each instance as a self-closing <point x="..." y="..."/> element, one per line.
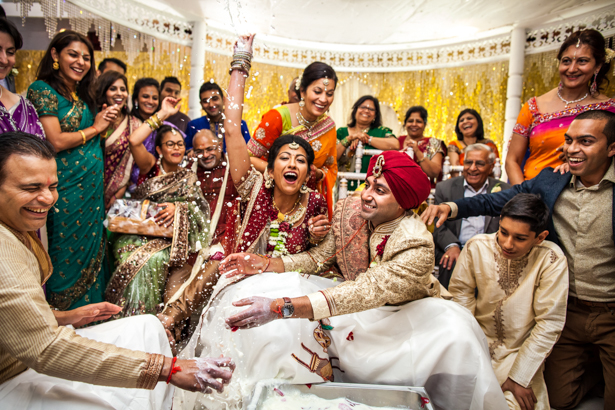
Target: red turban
<point x="408" y="182"/>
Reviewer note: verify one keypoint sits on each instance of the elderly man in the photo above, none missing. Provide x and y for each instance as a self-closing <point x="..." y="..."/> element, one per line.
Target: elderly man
<point x="382" y="254"/>
<point x="451" y="237"/>
<point x="218" y="189"/>
<point x="582" y="223"/>
<point x="212" y="102"/>
<point x="42" y="361"/>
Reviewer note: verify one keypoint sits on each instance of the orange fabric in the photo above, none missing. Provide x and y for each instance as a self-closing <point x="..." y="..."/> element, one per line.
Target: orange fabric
<point x="461" y="146"/>
<point x="323" y="140"/>
<point x="545" y="132"/>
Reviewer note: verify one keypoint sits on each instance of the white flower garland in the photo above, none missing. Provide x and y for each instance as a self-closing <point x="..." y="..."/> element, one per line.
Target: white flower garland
<point x="277" y="239"/>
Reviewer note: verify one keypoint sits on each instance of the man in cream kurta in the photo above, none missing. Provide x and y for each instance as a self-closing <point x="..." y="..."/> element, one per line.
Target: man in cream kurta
<point x="521" y="306"/>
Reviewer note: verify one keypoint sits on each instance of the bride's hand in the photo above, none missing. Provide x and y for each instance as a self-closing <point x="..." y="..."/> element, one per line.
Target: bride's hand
<point x="319" y="226"/>
<point x="259" y="313"/>
<point x="244" y="44"/>
<point x="242" y="264"/>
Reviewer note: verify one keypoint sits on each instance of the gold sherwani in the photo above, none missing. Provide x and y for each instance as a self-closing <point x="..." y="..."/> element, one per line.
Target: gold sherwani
<point x="401" y="274"/>
<point x="32" y="338"/>
<point x="521" y="306"/>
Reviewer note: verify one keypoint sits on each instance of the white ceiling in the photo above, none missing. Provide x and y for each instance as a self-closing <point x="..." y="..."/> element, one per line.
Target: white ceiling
<point x="372" y="22"/>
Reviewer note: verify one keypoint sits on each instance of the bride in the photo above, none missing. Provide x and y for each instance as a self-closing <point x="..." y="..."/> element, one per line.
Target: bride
<point x="429" y="342"/>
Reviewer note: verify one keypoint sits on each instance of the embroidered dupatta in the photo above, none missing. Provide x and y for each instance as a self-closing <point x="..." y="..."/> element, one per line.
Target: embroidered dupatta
<point x="118" y="157"/>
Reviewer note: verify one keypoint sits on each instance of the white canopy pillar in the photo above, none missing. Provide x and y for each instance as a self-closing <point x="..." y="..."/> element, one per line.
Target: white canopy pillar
<point x="197" y="68"/>
<point x="514" y="89"/>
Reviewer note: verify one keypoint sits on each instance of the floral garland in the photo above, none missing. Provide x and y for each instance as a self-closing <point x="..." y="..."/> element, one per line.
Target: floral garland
<point x="380" y="250"/>
<point x="276" y="247"/>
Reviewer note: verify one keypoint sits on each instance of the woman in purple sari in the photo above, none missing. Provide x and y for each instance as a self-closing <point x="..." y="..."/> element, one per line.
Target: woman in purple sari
<point x="112" y="89"/>
<point x="16" y="113"/>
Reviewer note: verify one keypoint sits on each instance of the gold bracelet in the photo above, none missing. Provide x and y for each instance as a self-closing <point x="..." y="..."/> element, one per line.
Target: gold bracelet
<point x="82" y="135"/>
<point x="156" y="120"/>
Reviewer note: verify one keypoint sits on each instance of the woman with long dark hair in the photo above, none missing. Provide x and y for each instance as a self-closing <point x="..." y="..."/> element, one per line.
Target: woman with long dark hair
<point x="63" y="96"/>
<point x="112" y="89"/>
<point x="469" y="129"/>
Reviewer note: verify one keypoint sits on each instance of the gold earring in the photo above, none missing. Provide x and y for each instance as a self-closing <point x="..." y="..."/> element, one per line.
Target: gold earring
<point x="304" y="189"/>
<point x="56" y="65"/>
<point x="301" y="103"/>
<point x="268" y="181"/>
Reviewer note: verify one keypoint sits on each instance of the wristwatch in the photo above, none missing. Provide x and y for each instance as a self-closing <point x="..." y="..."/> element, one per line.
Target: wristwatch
<point x="288" y="309"/>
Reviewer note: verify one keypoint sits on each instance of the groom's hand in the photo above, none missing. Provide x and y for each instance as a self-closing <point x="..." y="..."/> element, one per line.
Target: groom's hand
<point x="86" y="314"/>
<point x="243" y="264"/>
<point x="261" y="311"/>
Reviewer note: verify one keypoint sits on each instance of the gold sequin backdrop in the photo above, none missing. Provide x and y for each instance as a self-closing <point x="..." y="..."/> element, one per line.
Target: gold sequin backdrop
<point x="444" y="92"/>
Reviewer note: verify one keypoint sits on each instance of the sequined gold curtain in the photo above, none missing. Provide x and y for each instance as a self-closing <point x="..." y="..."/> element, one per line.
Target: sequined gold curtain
<point x="444" y="92"/>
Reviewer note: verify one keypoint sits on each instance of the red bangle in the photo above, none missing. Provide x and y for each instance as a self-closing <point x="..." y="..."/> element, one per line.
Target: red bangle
<point x="174" y="369"/>
<point x="97" y="132"/>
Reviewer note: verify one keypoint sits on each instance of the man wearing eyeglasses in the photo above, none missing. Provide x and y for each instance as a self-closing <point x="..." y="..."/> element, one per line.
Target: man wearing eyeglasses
<point x="453" y="235"/>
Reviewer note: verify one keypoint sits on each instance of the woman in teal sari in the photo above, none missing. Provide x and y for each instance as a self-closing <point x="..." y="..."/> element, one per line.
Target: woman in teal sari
<point x="365" y="126"/>
<point x="63" y="98"/>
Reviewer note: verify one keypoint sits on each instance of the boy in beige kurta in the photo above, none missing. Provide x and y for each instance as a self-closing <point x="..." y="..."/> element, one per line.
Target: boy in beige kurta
<point x="522" y="284"/>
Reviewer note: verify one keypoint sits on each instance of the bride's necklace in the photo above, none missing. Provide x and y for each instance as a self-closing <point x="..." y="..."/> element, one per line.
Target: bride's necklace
<point x="573" y="101"/>
<point x="291" y="217"/>
<point x="162" y="171"/>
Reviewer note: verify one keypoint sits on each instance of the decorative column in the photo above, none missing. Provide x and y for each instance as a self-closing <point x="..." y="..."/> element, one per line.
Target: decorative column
<point x="514" y="88"/>
<point x="197" y="68"/>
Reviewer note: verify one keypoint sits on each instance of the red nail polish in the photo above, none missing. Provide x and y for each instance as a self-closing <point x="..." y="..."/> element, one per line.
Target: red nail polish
<point x="234" y="328"/>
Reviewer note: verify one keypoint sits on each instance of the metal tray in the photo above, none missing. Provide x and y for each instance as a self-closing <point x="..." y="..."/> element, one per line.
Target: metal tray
<point x="404" y="397"/>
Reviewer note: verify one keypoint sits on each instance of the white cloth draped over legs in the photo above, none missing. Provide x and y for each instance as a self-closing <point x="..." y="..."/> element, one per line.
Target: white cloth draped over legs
<point x="32" y="390"/>
<point x="430" y="342"/>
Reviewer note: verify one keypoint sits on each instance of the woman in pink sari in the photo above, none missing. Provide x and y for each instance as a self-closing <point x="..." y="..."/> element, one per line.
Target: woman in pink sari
<point x="112" y="89"/>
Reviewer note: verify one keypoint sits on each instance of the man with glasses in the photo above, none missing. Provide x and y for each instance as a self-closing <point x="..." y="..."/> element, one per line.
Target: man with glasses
<point x="212" y="102"/>
<point x="219" y="190"/>
<point x="452" y="236"/>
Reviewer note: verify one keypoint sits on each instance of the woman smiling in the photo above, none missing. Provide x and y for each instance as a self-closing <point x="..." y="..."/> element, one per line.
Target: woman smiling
<point x="63" y="96"/>
<point x="113" y="90"/>
<point x="469" y="129"/>
<point x="307" y="119"/>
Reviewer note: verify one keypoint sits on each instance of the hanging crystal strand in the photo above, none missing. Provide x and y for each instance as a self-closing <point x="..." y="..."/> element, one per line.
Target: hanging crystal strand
<point x="25" y="7"/>
<point x="50" y="14"/>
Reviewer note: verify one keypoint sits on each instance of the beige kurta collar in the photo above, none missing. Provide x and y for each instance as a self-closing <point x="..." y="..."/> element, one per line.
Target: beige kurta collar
<point x="608" y="177"/>
<point x="387" y="228"/>
<point x="30" y="240"/>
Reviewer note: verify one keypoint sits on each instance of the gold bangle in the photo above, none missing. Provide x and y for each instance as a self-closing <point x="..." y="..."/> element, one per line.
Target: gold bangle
<point x="83" y="136"/>
<point x="156" y="120"/>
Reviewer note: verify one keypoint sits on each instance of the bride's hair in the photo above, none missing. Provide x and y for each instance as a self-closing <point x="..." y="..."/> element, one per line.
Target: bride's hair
<point x="316" y="71"/>
<point x="288" y="139"/>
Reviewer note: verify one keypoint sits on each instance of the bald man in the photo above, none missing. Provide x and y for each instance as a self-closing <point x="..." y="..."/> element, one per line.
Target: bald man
<point x="219" y="190"/>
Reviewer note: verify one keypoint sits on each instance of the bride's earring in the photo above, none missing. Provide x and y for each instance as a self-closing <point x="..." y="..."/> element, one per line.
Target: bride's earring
<point x="268" y="180"/>
<point x="304" y="189"/>
<point x="301" y="103"/>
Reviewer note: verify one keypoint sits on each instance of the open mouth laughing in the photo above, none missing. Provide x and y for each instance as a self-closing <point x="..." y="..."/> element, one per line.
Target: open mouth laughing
<point x="291" y="177"/>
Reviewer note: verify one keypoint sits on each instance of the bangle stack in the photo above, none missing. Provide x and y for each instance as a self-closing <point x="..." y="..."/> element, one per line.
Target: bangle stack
<point x="82" y="136"/>
<point x="242" y="61"/>
<point x="154" y="122"/>
<point x="344" y="141"/>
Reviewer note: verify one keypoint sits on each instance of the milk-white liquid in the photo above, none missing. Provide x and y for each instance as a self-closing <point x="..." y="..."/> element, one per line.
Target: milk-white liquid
<point x="294" y="400"/>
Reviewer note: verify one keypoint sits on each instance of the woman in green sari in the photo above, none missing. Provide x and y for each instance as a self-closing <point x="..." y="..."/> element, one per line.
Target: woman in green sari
<point x="63" y="98"/>
<point x="151" y="269"/>
<point x="365" y="126"/>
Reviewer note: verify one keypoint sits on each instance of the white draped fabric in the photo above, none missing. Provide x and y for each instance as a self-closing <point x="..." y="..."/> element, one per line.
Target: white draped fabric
<point x="430" y="342"/>
<point x="35" y="391"/>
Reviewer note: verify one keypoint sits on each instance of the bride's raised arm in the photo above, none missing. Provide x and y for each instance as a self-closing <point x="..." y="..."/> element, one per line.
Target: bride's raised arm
<point x="236" y="147"/>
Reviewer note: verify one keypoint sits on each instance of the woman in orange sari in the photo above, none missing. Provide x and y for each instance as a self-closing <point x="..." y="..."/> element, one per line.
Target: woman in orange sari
<point x="307" y="119"/>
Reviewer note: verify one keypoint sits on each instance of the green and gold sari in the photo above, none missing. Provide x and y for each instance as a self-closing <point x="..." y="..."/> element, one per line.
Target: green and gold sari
<point x="75" y="231"/>
<point x="143" y="263"/>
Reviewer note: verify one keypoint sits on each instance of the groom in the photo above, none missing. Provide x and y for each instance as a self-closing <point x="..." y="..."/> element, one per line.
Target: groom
<point x="378" y="245"/>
